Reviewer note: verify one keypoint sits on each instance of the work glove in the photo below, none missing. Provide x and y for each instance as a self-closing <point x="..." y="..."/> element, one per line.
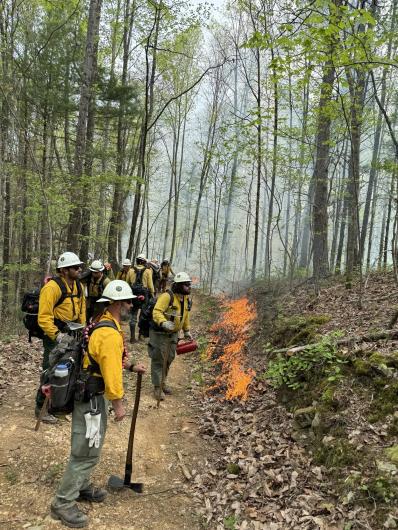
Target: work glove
<point x="168" y="326"/>
<point x="60" y="337"/>
<point x="93" y="423"/>
<point x="187" y="335"/>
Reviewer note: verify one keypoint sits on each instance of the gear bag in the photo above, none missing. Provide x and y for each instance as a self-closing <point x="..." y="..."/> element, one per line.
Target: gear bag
<point x="146" y="322"/>
<point x="138" y="288"/>
<point x="30" y="306"/>
<point x="67" y="379"/>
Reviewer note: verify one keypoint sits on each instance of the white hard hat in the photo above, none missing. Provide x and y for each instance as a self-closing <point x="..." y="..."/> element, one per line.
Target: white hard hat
<point x="68" y="259"/>
<point x="96" y="266"/>
<point x="182" y="277"/>
<point x="117" y="290"/>
<point x="141" y="256"/>
<point x="126" y="262"/>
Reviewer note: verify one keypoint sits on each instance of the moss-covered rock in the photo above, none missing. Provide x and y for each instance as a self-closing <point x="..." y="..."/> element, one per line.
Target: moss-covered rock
<point x="362" y="367"/>
<point x="379" y="363"/>
<point x="297" y="329"/>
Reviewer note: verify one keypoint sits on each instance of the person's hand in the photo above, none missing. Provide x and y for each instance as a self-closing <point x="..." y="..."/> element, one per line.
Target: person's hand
<point x="118" y="409"/>
<point x="139" y="368"/>
<point x="60" y="337"/>
<point x="107" y="266"/>
<point x="140" y="297"/>
<point x="168" y="326"/>
<point x="126" y="360"/>
<point x="187" y="335"/>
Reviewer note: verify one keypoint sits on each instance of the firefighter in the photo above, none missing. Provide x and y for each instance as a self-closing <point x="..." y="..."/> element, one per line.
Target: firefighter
<point x="142" y="286"/>
<point x="89" y="417"/>
<point x="125" y="273"/>
<point x="165" y="272"/>
<point x="170" y="315"/>
<point x="61" y="300"/>
<point x="95" y="283"/>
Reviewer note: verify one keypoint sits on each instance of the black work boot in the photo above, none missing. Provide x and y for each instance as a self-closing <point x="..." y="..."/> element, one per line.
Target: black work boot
<point x="167" y="390"/>
<point x="92" y="494"/>
<point x="70" y="516"/>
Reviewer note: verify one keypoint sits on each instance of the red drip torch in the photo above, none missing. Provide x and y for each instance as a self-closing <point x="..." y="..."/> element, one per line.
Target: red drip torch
<point x="186" y="347"/>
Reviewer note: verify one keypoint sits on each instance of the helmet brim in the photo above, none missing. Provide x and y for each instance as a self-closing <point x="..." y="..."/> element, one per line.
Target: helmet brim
<point x="114" y="300"/>
<point x="96" y="270"/>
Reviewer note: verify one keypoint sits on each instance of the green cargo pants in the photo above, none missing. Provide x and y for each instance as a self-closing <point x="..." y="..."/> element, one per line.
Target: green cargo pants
<point x="48" y="346"/>
<point x="82" y="458"/>
<point x="160" y="344"/>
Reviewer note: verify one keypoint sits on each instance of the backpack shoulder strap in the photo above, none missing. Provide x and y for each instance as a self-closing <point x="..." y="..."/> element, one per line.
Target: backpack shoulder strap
<point x="103" y="324"/>
<point x="171" y="294"/>
<point x="94" y="366"/>
<point x="62" y="286"/>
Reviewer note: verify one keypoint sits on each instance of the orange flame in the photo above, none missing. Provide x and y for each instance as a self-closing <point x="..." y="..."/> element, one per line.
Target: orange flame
<point x="233" y="326"/>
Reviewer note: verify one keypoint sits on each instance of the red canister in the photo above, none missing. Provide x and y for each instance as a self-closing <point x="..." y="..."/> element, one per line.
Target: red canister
<point x="186" y="347"/>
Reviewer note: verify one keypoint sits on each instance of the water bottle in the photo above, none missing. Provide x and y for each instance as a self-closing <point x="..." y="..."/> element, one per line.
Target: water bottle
<point x="61" y="370"/>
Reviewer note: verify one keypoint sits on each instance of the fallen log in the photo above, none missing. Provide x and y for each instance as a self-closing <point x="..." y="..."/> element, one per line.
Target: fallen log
<point x="386" y="334"/>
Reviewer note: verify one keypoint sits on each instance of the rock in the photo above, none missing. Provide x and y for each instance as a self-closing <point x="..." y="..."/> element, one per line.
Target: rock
<point x="304" y="417"/>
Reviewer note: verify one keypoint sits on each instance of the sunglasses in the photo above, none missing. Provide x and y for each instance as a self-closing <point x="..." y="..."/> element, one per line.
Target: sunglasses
<point x="75" y="267"/>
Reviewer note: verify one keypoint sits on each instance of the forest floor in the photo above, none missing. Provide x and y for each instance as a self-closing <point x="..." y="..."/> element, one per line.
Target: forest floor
<point x="314" y="457"/>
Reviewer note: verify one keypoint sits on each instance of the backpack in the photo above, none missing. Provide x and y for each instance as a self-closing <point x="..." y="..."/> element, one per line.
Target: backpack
<point x="155" y="272"/>
<point x="71" y="387"/>
<point x="146" y="321"/>
<point x="138" y="288"/>
<point x="30" y="306"/>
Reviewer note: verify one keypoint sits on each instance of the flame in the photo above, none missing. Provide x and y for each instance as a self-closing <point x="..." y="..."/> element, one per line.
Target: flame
<point x="231" y="333"/>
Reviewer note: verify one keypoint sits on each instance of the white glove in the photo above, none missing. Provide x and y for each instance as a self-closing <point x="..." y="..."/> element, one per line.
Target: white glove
<point x="187" y="335"/>
<point x="168" y="326"/>
<point x="60" y="337"/>
<point x="93" y="423"/>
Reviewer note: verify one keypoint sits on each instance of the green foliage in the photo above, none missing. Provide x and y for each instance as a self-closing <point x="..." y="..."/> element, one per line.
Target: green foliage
<point x="230" y="522"/>
<point x="318" y="360"/>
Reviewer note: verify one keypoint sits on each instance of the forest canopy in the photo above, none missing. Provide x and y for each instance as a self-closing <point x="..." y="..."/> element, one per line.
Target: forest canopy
<point x="241" y="141"/>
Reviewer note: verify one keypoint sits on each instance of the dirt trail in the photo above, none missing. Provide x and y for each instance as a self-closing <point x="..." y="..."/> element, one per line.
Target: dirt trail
<point x="32" y="463"/>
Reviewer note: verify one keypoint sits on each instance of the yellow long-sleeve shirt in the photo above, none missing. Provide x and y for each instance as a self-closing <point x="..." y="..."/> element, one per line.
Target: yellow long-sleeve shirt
<point x="70" y="309"/>
<point x="166" y="270"/>
<point x="164" y="311"/>
<point x="94" y="288"/>
<point x="106" y="348"/>
<point x="126" y="276"/>
<point x="147" y="281"/>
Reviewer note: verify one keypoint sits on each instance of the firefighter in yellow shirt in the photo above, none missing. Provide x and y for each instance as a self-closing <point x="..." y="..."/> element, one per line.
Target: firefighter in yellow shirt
<point x="104" y="362"/>
<point x="61" y="300"/>
<point x="142" y="286"/>
<point x="165" y="272"/>
<point x="95" y="282"/>
<point x="125" y="273"/>
<point x="170" y="315"/>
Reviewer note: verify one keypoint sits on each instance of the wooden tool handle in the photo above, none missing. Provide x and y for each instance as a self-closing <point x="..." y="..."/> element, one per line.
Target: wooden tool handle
<point x="42" y="411"/>
<point x="129" y="456"/>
